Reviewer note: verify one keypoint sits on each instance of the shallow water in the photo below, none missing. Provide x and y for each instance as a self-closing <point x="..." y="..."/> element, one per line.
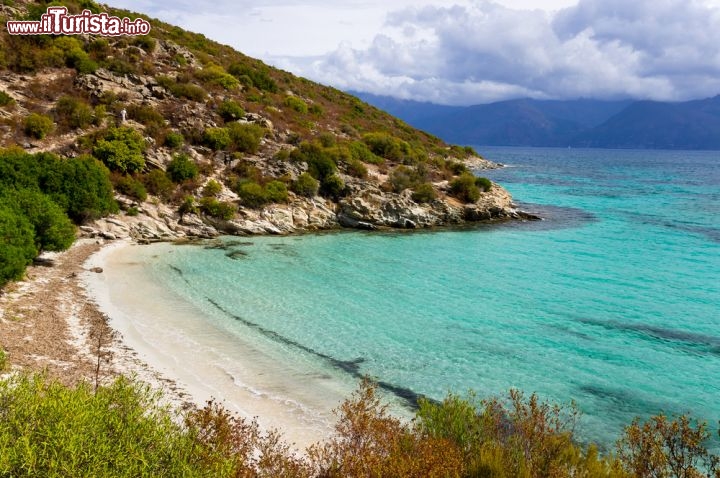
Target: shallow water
<point x="613" y="301"/>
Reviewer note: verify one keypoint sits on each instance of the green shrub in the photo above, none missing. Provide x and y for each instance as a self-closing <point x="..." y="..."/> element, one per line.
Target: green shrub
<point x="121" y="149"/>
<point x="404" y="177"/>
<point x="216" y="138"/>
<point x="296" y="104"/>
<point x="216" y="75"/>
<point x="132" y="211"/>
<point x="121" y="67"/>
<point x="80" y="185"/>
<point x="252" y="194"/>
<point x="332" y="186"/>
<point x="258" y="77"/>
<point x="218" y="209"/>
<point x="181" y="89"/>
<point x="315" y="110"/>
<point x="131" y="187"/>
<point x="456" y="167"/>
<point x="276" y="191"/>
<point x="464" y="188"/>
<point x="182" y="168"/>
<point x="326" y="139"/>
<point x="38" y="126"/>
<point x="306" y="185"/>
<point x="245" y="137"/>
<point x="77" y="58"/>
<point x="3" y="356"/>
<point x="361" y="152"/>
<point x="320" y="164"/>
<point x="99" y="114"/>
<point x="52" y="229"/>
<point x="357" y="169"/>
<point x="188" y="206"/>
<point x="17" y="245"/>
<point x="119" y="430"/>
<point x="5" y="99"/>
<point x="146" y="115"/>
<point x="159" y="184"/>
<point x="517" y="437"/>
<point x="484" y="184"/>
<point x="424" y="193"/>
<point x="229" y="110"/>
<point x="174" y="140"/>
<point x="387" y="146"/>
<point x="73" y="113"/>
<point x="212" y="188"/>
<point x="146" y="42"/>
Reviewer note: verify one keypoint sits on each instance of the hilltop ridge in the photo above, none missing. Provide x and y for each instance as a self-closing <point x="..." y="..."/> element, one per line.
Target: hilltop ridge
<point x="200" y="139"/>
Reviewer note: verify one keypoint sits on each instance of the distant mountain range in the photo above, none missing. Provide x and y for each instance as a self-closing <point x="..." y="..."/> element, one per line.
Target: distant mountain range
<point x="576" y="123"/>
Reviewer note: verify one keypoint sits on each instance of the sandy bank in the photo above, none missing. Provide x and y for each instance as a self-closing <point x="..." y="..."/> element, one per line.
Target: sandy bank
<point x="166" y="341"/>
<point x="62" y="318"/>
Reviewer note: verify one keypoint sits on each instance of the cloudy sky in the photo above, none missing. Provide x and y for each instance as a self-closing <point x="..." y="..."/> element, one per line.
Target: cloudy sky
<point x="473" y="51"/>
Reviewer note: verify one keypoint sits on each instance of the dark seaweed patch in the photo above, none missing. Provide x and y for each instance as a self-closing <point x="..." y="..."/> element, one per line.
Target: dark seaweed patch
<point x="351" y="367"/>
<point x="619" y="400"/>
<point x="694" y="342"/>
<point x="236" y="255"/>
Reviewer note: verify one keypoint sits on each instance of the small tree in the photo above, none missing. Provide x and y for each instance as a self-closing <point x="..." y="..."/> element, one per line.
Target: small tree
<point x="174" y="139"/>
<point x="661" y="447"/>
<point x="229" y="110"/>
<point x="424" y="193"/>
<point x="53" y="230"/>
<point x="182" y="168"/>
<point x="212" y="188"/>
<point x="158" y="183"/>
<point x="17" y="247"/>
<point x="276" y="191"/>
<point x="245" y="137"/>
<point x="38" y="126"/>
<point x="306" y="185"/>
<point x="252" y="194"/>
<point x="121" y="149"/>
<point x="216" y="138"/>
<point x="464" y="188"/>
<point x="73" y="112"/>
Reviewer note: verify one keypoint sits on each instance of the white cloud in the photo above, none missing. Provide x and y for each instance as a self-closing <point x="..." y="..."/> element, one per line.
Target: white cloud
<point x="659" y="49"/>
<point x="475" y="50"/>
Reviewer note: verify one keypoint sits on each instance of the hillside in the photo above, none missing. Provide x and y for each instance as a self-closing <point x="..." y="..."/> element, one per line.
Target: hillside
<point x="199" y="139"/>
<point x="577" y="123"/>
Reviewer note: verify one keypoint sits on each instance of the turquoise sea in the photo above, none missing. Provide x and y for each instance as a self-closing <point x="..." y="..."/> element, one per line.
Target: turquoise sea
<point x="612" y="301"/>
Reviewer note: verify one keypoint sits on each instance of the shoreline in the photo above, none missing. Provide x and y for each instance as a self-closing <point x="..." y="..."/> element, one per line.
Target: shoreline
<point x="61" y="318"/>
<point x="200" y="360"/>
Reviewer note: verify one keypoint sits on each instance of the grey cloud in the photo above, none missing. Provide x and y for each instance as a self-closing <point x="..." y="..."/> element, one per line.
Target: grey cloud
<point x="660" y="49"/>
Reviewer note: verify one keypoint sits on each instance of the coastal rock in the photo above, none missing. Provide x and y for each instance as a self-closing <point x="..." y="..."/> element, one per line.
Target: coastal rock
<point x="371" y="208"/>
<point x="477" y="163"/>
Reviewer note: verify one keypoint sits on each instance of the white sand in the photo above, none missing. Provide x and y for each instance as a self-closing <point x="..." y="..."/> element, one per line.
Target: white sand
<point x="189" y="355"/>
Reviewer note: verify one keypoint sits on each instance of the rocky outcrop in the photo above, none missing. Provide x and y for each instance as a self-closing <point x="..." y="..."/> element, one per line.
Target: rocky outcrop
<point x="371" y="208"/>
<point x="134" y="87"/>
<point x="367" y="208"/>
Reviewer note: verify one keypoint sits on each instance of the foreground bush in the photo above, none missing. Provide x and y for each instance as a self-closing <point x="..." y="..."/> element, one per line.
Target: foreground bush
<point x="17" y="246"/>
<point x="121" y="430"/>
<point x="80" y="186"/>
<point x="52" y="228"/>
<point x="49" y="430"/>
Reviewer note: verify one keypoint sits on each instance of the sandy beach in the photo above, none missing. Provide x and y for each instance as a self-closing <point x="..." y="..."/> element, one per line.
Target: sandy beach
<point x="94" y="305"/>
